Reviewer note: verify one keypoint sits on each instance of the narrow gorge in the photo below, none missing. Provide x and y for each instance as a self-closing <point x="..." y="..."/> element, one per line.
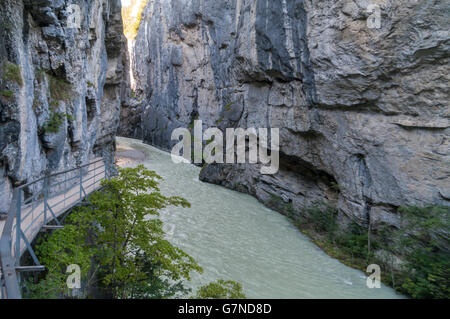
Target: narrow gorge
<point x="357" y="88"/>
<point x="363" y="112"/>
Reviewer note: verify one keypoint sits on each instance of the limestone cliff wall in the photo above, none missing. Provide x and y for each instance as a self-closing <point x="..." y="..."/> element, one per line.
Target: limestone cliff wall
<point x="363" y="112"/>
<point x="60" y="86"/>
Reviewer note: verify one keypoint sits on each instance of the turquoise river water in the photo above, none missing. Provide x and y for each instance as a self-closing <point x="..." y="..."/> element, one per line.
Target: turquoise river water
<point x="234" y="237"/>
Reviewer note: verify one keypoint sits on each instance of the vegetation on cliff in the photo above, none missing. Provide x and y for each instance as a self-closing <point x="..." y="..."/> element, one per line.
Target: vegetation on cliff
<point x="7" y="94"/>
<point x="60" y="90"/>
<point x="11" y="73"/>
<point x="55" y="121"/>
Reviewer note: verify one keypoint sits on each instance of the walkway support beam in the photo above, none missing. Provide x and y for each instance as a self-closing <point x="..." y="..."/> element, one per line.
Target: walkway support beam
<point x="9" y="274"/>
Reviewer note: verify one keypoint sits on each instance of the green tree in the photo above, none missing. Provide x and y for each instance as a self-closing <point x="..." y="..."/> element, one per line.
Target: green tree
<point x="424" y="240"/>
<point x="121" y="235"/>
<point x="221" y="289"/>
<point x="64" y="247"/>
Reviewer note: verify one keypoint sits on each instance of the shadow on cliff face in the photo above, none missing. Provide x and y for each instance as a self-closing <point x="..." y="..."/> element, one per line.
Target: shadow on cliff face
<point x="297" y="183"/>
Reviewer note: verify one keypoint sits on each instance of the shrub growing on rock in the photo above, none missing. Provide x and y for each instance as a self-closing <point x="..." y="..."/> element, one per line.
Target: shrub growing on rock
<point x="11" y="72"/>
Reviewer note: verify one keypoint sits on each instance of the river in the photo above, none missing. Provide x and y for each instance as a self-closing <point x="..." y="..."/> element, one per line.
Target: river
<point x="234" y="237"/>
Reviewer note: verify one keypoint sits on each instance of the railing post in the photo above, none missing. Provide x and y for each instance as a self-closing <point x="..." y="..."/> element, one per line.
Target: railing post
<point x="81" y="183"/>
<point x="106" y="162"/>
<point x="46" y="179"/>
<point x="18" y="225"/>
<point x="12" y="290"/>
<point x="65" y="188"/>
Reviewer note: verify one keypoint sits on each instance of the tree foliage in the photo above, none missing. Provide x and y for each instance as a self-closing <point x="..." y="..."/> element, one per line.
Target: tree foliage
<point x="424" y="239"/>
<point x="118" y="241"/>
<point x="221" y="289"/>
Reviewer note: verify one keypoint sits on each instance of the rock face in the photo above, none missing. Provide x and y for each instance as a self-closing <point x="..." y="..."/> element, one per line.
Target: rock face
<point x="60" y="85"/>
<point x="363" y="111"/>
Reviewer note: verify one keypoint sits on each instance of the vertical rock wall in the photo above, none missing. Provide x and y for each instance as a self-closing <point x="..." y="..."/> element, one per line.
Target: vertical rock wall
<point x="363" y="112"/>
<point x="65" y="108"/>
